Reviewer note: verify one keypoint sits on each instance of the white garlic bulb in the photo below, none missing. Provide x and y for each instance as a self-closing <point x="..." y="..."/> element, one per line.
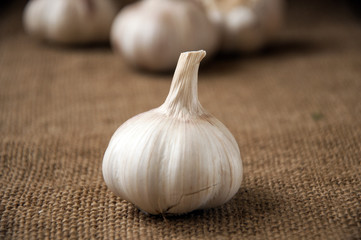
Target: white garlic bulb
<point x="247" y="24"/>
<point x="175" y="158"/>
<point x="70" y="21"/>
<point x="152" y="33"/>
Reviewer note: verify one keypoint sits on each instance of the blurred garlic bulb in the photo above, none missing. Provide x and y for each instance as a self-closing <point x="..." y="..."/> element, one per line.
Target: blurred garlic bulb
<point x="247" y="24"/>
<point x="152" y="33"/>
<point x="70" y="21"/>
<point x="175" y="158"/>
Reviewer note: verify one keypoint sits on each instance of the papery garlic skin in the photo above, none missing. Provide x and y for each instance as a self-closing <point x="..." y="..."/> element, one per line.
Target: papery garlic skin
<point x="70" y="21"/>
<point x="152" y="33"/>
<point x="247" y="24"/>
<point x="175" y="158"/>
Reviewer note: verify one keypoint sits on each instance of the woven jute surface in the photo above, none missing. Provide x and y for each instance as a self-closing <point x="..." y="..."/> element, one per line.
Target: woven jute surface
<point x="294" y="109"/>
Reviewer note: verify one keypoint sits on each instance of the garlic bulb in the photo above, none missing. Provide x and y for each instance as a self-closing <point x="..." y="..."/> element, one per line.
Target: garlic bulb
<point x="70" y="21"/>
<point x="247" y="24"/>
<point x="175" y="158"/>
<point x="163" y="29"/>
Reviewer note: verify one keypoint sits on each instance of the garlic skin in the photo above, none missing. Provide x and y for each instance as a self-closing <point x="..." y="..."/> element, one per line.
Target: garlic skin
<point x="247" y="24"/>
<point x="175" y="158"/>
<point x="70" y="21"/>
<point x="162" y="29"/>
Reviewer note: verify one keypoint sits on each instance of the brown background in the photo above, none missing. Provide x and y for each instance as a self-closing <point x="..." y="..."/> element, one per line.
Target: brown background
<point x="295" y="110"/>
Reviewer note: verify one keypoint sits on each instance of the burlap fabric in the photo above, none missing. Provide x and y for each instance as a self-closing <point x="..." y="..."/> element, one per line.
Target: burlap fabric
<point x="295" y="110"/>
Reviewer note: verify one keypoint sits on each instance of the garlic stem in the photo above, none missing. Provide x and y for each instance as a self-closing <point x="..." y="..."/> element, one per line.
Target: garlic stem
<point x="182" y="100"/>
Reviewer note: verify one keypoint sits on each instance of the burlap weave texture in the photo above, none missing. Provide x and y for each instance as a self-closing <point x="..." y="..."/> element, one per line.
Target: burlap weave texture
<point x="294" y="109"/>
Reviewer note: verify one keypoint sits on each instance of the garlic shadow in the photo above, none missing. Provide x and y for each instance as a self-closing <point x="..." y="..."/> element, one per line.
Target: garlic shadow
<point x="257" y="203"/>
<point x="77" y="47"/>
<point x="232" y="62"/>
<point x="292" y="47"/>
<point x="252" y="209"/>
